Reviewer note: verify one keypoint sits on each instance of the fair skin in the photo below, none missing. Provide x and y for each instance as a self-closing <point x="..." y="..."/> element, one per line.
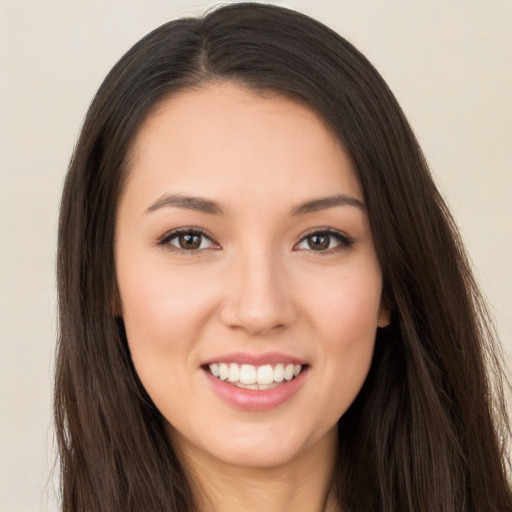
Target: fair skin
<point x="259" y="274"/>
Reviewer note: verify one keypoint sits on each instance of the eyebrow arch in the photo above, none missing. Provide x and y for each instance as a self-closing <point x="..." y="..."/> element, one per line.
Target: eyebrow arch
<point x="323" y="203"/>
<point x="187" y="202"/>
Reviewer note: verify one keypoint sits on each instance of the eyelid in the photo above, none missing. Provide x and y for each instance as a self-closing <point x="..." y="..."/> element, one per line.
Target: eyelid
<point x="164" y="240"/>
<point x="345" y="241"/>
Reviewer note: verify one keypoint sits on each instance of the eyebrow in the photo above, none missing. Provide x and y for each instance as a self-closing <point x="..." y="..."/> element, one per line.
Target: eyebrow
<point x="208" y="206"/>
<point x="187" y="202"/>
<point x="323" y="203"/>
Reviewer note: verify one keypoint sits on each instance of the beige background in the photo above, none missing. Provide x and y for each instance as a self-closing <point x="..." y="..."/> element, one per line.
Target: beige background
<point x="448" y="62"/>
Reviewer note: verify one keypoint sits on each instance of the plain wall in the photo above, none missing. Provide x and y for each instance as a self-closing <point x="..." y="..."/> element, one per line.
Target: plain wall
<point x="448" y="62"/>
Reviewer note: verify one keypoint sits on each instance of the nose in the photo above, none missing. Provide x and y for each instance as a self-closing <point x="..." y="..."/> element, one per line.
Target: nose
<point x="258" y="295"/>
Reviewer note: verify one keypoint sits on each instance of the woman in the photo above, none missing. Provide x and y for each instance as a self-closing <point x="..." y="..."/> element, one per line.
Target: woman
<point x="264" y="302"/>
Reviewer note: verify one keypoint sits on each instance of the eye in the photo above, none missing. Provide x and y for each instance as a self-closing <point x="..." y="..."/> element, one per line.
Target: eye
<point x="324" y="241"/>
<point x="189" y="240"/>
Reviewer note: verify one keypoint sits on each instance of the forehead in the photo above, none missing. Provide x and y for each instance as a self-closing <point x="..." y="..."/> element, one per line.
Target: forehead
<point x="224" y="140"/>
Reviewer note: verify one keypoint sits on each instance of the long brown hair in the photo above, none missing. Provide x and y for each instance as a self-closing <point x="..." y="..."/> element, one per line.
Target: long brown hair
<point x="428" y="431"/>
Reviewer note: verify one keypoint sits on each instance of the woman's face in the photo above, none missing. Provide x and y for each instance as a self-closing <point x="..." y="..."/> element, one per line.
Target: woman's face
<point x="244" y="256"/>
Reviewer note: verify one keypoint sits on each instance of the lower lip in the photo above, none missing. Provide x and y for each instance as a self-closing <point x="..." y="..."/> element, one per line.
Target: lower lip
<point x="252" y="399"/>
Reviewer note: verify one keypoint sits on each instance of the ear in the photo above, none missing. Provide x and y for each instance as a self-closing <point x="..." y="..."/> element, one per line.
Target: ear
<point x="384" y="318"/>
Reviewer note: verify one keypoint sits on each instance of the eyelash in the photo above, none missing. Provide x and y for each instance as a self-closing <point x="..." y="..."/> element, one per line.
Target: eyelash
<point x="165" y="241"/>
<point x="343" y="240"/>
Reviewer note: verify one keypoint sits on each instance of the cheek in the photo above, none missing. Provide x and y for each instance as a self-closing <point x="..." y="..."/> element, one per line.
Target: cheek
<point x="344" y="311"/>
<point x="161" y="320"/>
<point x="164" y="317"/>
<point x="161" y="304"/>
<point x="347" y="305"/>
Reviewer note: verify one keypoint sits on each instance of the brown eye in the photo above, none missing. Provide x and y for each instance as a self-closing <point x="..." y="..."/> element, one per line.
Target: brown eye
<point x="187" y="240"/>
<point x="319" y="242"/>
<point x="324" y="241"/>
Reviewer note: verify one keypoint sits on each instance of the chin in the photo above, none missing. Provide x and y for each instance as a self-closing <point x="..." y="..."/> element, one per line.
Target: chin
<point x="261" y="455"/>
<point x="257" y="446"/>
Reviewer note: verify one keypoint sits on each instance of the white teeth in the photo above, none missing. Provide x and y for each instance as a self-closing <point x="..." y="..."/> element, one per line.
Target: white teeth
<point x="234" y="372"/>
<point x="223" y="371"/>
<point x="260" y="387"/>
<point x="246" y="386"/>
<point x="265" y="374"/>
<point x="279" y="373"/>
<point x="214" y="369"/>
<point x="249" y="376"/>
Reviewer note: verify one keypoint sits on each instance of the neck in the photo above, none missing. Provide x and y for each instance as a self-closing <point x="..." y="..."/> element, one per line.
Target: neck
<point x="301" y="485"/>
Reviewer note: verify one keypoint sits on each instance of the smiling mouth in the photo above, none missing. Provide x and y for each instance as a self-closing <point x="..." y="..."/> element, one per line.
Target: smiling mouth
<point x="248" y="376"/>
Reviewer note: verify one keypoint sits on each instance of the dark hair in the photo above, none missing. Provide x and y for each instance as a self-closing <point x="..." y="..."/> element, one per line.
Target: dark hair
<point x="428" y="431"/>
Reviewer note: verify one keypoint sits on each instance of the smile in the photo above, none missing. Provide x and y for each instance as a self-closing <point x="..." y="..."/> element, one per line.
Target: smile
<point x="248" y="376"/>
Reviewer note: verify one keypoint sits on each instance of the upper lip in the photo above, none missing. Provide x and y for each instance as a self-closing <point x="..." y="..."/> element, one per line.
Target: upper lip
<point x="254" y="358"/>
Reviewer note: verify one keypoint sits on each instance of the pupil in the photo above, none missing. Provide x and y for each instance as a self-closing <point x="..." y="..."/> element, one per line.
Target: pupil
<point x="318" y="242"/>
<point x="190" y="241"/>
